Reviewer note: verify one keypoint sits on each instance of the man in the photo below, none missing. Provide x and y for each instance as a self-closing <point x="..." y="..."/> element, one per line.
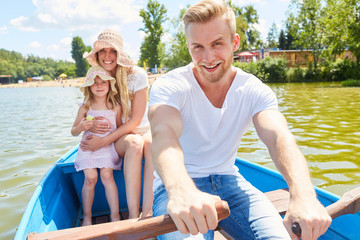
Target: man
<point x="198" y="114"/>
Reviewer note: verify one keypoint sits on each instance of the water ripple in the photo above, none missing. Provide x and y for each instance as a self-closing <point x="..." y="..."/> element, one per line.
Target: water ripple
<point x="35" y="132"/>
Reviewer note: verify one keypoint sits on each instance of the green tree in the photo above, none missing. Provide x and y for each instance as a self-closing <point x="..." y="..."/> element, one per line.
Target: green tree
<point x="246" y="18"/>
<point x="347" y="34"/>
<point x="153" y="19"/>
<point x="272" y="36"/>
<point x="77" y="52"/>
<point x="20" y="67"/>
<point x="308" y="17"/>
<point x="291" y="32"/>
<point x="282" y="40"/>
<point x="178" y="53"/>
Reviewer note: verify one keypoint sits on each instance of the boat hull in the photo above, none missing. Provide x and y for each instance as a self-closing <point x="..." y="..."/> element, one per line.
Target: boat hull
<point x="56" y="202"/>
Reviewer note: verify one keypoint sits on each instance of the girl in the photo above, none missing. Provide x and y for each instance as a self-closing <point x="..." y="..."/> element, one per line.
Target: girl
<point x="132" y="139"/>
<point x="99" y="91"/>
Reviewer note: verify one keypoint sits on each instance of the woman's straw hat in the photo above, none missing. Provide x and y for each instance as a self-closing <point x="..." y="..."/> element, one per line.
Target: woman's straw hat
<point x="104" y="75"/>
<point x="109" y="39"/>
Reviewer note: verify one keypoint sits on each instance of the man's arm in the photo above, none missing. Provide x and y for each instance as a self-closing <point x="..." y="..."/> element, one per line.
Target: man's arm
<point x="193" y="211"/>
<point x="304" y="207"/>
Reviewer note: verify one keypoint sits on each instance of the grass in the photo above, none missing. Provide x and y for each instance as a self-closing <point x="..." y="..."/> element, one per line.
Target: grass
<point x="351" y="83"/>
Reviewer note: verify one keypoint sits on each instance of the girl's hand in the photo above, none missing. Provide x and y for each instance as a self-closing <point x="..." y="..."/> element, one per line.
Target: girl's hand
<point x="101" y="125"/>
<point x="91" y="143"/>
<point x="85" y="124"/>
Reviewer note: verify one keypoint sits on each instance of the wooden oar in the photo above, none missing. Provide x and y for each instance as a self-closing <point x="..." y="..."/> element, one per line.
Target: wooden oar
<point x="125" y="229"/>
<point x="349" y="203"/>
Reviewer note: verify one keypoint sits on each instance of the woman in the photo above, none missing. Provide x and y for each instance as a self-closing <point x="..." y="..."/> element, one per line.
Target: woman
<point x="132" y="139"/>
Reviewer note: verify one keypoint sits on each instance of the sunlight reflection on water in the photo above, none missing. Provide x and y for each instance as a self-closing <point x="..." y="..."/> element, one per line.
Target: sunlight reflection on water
<point x="325" y="120"/>
<point x="36" y="123"/>
<point x="35" y="132"/>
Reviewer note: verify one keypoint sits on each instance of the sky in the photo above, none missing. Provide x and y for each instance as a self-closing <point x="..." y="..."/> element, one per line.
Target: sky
<point x="45" y="28"/>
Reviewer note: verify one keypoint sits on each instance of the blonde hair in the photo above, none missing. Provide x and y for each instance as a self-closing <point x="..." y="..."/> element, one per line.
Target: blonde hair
<point x="207" y="10"/>
<point x="121" y="83"/>
<point x="89" y="98"/>
<point x="123" y="97"/>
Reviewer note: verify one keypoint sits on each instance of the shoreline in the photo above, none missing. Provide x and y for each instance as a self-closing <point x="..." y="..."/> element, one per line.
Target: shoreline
<point x="76" y="82"/>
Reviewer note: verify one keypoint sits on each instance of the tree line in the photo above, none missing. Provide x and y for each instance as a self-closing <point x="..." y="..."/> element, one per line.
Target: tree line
<point x="22" y="67"/>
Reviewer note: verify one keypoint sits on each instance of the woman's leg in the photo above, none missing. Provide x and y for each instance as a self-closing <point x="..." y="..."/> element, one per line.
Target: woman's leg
<point x="148" y="195"/>
<point x="111" y="192"/>
<point x="131" y="148"/>
<point x="87" y="194"/>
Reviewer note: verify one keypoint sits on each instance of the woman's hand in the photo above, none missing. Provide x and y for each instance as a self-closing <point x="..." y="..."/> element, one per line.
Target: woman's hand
<point x="92" y="143"/>
<point x="101" y="125"/>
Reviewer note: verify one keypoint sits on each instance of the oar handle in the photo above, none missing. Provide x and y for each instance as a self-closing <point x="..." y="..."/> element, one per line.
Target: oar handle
<point x="349" y="203"/>
<point x="296" y="229"/>
<point x="222" y="209"/>
<point x="126" y="229"/>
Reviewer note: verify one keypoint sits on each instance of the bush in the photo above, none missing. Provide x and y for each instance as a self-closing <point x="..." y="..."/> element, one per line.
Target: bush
<point x="351" y="83"/>
<point x="312" y="74"/>
<point x="272" y="70"/>
<point x="295" y="75"/>
<point x="250" y="67"/>
<point x="267" y="70"/>
<point x="341" y="70"/>
<point x="46" y="78"/>
<point x="275" y="70"/>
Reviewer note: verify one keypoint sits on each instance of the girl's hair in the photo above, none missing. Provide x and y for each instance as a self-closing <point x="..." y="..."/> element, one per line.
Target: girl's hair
<point x="207" y="10"/>
<point x="123" y="96"/>
<point x="89" y="98"/>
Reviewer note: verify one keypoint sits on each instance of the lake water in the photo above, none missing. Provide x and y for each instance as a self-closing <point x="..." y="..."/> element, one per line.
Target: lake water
<point x="36" y="122"/>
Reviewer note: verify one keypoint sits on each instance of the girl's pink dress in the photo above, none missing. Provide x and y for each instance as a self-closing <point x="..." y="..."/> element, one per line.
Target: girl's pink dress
<point x="105" y="157"/>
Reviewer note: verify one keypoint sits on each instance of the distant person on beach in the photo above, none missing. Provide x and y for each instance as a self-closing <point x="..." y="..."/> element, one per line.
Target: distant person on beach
<point x="133" y="138"/>
<point x="198" y="114"/>
<point x="99" y="91"/>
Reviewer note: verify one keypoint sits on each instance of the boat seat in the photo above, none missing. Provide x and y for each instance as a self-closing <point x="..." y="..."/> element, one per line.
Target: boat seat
<point x="279" y="198"/>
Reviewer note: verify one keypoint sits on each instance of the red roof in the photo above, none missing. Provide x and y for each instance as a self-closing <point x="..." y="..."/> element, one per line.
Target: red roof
<point x="246" y="54"/>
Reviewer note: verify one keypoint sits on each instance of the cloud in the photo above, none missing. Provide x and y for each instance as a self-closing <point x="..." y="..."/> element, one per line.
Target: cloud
<point x="142" y="34"/>
<point x="133" y="53"/>
<point x="3" y="30"/>
<point x="66" y="41"/>
<point x="78" y="14"/>
<point x="250" y="2"/>
<point x="53" y="47"/>
<point x="166" y="37"/>
<point x="262" y="28"/>
<point x="46" y="18"/>
<point x="22" y="24"/>
<point x="34" y="44"/>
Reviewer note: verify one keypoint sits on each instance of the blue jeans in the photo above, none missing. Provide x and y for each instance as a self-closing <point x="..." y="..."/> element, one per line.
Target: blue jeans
<point x="252" y="215"/>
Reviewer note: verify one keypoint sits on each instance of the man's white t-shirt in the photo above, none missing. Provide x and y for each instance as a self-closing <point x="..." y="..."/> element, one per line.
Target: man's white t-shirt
<point x="211" y="136"/>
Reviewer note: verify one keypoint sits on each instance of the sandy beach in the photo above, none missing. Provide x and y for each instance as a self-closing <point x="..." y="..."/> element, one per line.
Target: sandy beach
<point x="76" y="82"/>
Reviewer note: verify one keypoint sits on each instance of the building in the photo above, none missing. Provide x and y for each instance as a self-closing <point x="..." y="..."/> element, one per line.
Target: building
<point x="247" y="56"/>
<point x="293" y="57"/>
<point x="5" y="79"/>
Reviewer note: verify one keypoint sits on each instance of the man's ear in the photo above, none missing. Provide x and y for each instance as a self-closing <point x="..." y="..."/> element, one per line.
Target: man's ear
<point x="236" y="42"/>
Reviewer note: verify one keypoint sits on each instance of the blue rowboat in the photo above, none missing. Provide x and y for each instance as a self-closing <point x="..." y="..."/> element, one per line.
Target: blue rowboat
<point x="56" y="203"/>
